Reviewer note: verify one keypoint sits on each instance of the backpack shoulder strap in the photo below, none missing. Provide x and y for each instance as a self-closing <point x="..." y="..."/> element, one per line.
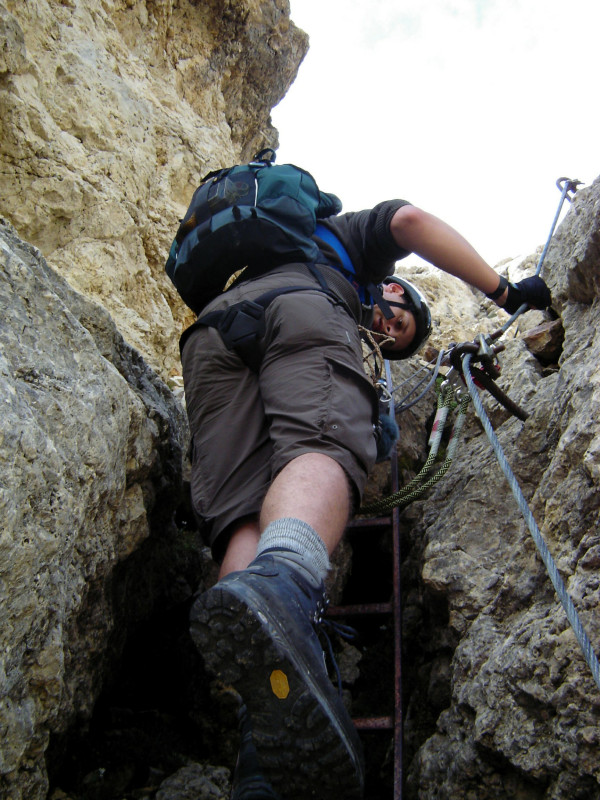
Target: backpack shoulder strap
<point x="370" y="292"/>
<point x="332" y="240"/>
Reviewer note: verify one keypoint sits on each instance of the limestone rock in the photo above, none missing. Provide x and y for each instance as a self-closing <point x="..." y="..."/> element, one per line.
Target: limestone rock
<point x="111" y="114"/>
<point x="546" y="340"/>
<point x="90" y="463"/>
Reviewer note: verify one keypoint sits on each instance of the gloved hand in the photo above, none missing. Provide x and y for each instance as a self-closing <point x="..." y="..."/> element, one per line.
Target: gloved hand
<point x="532" y="291"/>
<point x="388" y="434"/>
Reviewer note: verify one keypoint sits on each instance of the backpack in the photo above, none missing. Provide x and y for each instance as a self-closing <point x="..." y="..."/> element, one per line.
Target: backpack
<point x="255" y="215"/>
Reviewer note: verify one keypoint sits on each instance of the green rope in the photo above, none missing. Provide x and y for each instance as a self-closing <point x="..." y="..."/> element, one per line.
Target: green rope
<point x="418" y="485"/>
<point x="399" y="500"/>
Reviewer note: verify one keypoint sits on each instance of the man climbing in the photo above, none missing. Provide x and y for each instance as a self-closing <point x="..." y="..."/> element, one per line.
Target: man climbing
<point x="282" y="446"/>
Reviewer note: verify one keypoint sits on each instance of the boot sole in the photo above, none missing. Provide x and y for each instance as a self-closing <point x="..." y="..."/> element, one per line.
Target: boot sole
<point x="305" y="740"/>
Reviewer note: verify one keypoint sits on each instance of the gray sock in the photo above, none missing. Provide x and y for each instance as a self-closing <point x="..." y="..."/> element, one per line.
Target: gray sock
<point x="300" y="544"/>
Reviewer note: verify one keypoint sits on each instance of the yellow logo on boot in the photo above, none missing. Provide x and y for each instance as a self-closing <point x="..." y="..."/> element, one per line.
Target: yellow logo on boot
<point x="279" y="684"/>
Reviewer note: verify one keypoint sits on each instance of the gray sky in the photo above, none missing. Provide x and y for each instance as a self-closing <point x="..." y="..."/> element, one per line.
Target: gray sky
<point x="470" y="109"/>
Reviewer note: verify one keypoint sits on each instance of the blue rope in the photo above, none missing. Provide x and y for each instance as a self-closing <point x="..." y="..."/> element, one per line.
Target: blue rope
<point x="557" y="581"/>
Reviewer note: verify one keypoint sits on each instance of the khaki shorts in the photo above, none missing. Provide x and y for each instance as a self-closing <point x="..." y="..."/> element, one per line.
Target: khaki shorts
<point x="311" y="395"/>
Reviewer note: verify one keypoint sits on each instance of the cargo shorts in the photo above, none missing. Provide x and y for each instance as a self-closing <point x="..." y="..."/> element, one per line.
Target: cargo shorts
<point x="310" y="395"/>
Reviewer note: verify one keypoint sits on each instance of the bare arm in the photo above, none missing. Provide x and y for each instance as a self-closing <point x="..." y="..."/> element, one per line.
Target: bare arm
<point x="436" y="242"/>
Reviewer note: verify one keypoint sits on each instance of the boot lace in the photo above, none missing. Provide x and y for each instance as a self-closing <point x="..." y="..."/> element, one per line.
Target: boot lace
<point x="326" y="628"/>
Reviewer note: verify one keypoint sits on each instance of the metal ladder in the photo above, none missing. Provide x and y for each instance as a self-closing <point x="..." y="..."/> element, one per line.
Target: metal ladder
<point x="392" y="608"/>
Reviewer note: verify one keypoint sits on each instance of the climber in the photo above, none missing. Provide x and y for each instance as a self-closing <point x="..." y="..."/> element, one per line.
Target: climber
<point x="281" y="451"/>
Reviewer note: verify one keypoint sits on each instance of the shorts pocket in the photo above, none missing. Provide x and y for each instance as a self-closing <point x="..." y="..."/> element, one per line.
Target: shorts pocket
<point x="352" y="411"/>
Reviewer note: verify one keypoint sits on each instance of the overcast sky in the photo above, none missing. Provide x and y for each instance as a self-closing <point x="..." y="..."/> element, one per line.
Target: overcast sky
<point x="470" y="109"/>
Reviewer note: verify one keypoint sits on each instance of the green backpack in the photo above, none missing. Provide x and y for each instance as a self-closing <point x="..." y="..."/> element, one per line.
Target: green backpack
<point x="255" y="215"/>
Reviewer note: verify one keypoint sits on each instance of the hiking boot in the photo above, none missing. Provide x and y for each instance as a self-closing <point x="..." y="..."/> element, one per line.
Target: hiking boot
<point x="255" y="631"/>
<point x="249" y="782"/>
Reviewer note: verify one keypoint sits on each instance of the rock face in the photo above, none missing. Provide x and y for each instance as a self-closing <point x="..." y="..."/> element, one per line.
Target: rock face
<point x="90" y="462"/>
<point x="111" y="114"/>
<point x="502" y="703"/>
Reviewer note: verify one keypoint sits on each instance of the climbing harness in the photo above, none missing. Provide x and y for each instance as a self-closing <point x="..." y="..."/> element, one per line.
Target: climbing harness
<point x="461" y="358"/>
<point x="242" y="324"/>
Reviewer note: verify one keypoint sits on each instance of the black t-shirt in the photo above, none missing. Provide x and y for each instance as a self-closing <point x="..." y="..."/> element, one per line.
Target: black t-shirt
<point x="367" y="238"/>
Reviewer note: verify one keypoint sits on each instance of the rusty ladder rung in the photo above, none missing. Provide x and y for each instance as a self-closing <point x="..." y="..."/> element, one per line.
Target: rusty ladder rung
<point x="359" y="609"/>
<point x="373" y="723"/>
<point x="371" y="522"/>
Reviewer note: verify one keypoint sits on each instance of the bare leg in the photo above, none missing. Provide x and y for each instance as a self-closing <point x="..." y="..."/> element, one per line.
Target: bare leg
<point x="313" y="488"/>
<point x="241" y="549"/>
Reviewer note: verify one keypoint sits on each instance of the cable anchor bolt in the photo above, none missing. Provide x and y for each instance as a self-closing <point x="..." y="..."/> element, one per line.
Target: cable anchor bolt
<point x="567" y="185"/>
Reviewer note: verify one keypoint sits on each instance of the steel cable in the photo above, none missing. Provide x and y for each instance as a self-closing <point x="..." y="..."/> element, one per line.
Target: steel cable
<point x="557" y="581"/>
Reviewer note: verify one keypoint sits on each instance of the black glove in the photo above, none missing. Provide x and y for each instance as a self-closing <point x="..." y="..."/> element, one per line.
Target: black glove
<point x="532" y="291"/>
